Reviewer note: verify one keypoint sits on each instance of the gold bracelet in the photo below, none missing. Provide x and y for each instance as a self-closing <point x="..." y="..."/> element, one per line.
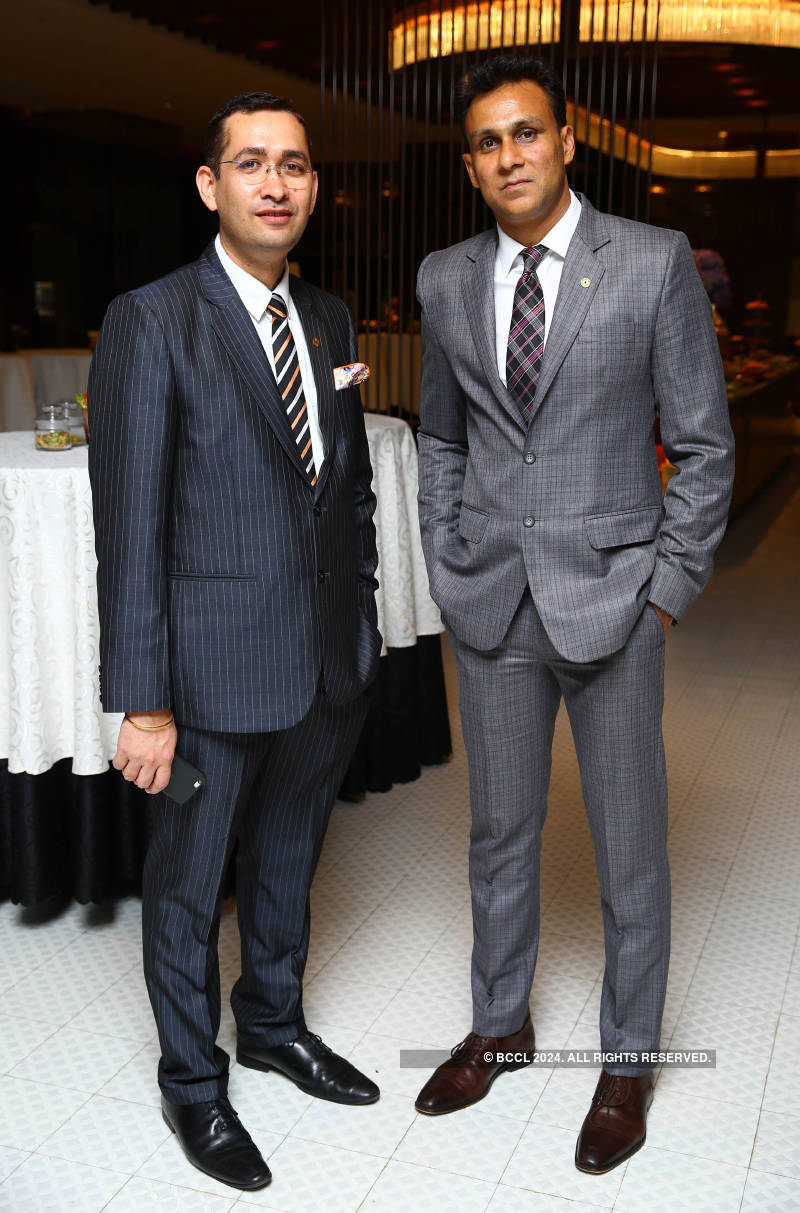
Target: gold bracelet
<point x="149" y="728"/>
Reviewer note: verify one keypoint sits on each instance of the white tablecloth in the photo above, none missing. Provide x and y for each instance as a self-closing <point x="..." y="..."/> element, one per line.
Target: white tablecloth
<point x="49" y="630"/>
<point x="33" y="377"/>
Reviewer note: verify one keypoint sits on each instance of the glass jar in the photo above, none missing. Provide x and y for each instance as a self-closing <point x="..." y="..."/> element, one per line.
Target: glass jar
<point x="52" y="429"/>
<point x="76" y="427"/>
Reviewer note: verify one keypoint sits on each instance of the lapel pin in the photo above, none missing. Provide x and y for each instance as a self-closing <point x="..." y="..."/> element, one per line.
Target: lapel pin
<point x="586" y="282"/>
<point x="315" y="340"/>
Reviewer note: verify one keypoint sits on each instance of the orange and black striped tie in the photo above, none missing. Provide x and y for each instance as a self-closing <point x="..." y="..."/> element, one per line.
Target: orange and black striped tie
<point x="290" y="383"/>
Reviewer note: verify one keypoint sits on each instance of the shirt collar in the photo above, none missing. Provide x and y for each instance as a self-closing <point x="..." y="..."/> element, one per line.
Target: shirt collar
<point x="254" y="294"/>
<point x="556" y="240"/>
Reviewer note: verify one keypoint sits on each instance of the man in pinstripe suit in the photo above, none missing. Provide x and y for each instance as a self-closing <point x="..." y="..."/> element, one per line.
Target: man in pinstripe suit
<point x="236" y="560"/>
<point x="548" y="344"/>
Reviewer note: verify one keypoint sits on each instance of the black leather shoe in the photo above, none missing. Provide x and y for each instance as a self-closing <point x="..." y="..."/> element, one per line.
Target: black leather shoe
<point x="312" y="1067"/>
<point x="215" y="1141"/>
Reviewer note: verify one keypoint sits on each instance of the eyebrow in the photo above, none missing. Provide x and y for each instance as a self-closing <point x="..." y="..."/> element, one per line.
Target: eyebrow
<point x="289" y="153"/>
<point x="512" y="126"/>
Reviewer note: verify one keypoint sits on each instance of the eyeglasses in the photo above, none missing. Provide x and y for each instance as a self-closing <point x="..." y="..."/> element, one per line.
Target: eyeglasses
<point x="254" y="170"/>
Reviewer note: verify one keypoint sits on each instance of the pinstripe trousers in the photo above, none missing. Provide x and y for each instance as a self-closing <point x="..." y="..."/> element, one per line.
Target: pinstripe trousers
<point x="509" y="697"/>
<point x="273" y="792"/>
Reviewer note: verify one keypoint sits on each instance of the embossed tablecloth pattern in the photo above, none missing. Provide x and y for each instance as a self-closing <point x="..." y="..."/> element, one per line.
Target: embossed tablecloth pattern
<point x="49" y="632"/>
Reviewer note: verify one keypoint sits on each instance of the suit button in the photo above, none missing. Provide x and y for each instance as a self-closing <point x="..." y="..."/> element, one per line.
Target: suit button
<point x="321" y="576"/>
<point x="529" y="457"/>
<point x="528" y="521"/>
<point x="317" y="511"/>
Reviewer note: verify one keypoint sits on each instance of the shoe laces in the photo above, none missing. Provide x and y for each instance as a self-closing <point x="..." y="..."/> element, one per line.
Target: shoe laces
<point x="224" y="1113"/>
<point x="470" y="1047"/>
<point x="319" y="1044"/>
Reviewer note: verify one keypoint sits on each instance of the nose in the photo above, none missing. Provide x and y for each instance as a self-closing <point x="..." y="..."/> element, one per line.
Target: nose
<point x="510" y="155"/>
<point x="273" y="184"/>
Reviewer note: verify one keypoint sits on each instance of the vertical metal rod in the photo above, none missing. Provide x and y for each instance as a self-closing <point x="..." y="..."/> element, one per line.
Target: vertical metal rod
<point x="610" y="206"/>
<point x="402" y="218"/>
<point x="628" y="112"/>
<point x="358" y="167"/>
<point x="602" y="114"/>
<point x="640" y="124"/>
<point x="390" y="230"/>
<point x="653" y="91"/>
<point x="587" y="150"/>
<point x="367" y="193"/>
<point x="343" y="156"/>
<point x="323" y="65"/>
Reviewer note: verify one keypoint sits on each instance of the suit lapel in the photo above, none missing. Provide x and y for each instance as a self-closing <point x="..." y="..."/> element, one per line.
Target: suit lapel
<point x="580" y="277"/>
<point x="235" y="329"/>
<point x="315" y="330"/>
<point x="477" y="286"/>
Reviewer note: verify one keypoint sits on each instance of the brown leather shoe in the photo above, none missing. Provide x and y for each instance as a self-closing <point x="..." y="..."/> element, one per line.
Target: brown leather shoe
<point x="615" y="1126"/>
<point x="467" y="1076"/>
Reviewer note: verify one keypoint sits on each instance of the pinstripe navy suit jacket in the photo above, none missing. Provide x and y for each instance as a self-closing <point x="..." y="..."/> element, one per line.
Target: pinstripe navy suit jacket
<point x="571" y="505"/>
<point x="225" y="581"/>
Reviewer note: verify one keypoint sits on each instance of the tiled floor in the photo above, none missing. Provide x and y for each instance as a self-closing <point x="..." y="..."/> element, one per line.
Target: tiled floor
<point x="80" y="1128"/>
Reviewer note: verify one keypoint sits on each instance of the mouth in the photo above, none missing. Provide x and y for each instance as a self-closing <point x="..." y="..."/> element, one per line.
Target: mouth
<point x="275" y="216"/>
<point x="511" y="185"/>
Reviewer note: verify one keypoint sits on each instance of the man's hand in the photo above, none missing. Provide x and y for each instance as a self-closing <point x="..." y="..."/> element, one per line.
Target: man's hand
<point x="666" y="619"/>
<point x="145" y="757"/>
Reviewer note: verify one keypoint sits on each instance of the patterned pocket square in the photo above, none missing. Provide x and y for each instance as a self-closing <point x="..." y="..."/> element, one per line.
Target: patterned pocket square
<point x="349" y="375"/>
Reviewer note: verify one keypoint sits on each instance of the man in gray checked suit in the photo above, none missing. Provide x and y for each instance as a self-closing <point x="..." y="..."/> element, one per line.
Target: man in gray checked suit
<point x="236" y="560"/>
<point x="549" y="344"/>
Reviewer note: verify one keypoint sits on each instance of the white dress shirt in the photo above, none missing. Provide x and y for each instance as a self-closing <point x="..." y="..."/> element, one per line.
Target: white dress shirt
<point x="256" y="296"/>
<point x="508" y="266"/>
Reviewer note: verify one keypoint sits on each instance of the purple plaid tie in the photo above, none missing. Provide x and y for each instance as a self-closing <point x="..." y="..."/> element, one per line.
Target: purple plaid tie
<point x="526" y="335"/>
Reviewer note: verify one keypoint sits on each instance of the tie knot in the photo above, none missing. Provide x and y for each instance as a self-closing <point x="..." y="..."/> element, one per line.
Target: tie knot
<point x="276" y="306"/>
<point x="532" y="256"/>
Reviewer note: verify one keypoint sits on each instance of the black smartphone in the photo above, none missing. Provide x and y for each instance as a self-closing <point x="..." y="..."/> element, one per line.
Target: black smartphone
<point x="184" y="780"/>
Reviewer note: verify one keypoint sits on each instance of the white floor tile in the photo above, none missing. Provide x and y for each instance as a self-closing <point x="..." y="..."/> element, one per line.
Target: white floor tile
<point x="375" y="1129"/>
<point x="10" y="1160"/>
<point x="517" y="1200"/>
<point x="150" y="1196"/>
<point x="404" y="1186"/>
<point x="52" y="1185"/>
<point x="768" y="1194"/>
<point x="108" y="1133"/>
<point x="778" y="1145"/>
<point x="544" y="1161"/>
<point x="79" y="1060"/>
<point x="471" y="1142"/>
<point x="661" y="1181"/>
<point x="31" y="1111"/>
<point x="311" y="1178"/>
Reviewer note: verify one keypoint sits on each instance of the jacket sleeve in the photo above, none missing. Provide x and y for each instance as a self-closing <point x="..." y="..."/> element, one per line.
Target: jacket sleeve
<point x="443" y="446"/>
<point x="132" y="425"/>
<point x="695" y="429"/>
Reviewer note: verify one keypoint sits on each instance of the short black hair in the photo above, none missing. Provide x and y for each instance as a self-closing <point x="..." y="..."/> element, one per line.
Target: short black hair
<point x="498" y="70"/>
<point x="244" y="103"/>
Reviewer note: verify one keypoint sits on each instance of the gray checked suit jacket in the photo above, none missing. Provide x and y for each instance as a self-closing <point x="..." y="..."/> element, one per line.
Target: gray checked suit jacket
<point x="572" y="505"/>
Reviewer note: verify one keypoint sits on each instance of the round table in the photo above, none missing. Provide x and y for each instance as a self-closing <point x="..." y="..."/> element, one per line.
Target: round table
<point x="52" y="726"/>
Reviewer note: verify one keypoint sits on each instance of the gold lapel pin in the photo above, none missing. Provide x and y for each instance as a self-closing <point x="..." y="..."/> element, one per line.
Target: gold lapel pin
<point x="586" y="282"/>
<point x="315" y="340"/>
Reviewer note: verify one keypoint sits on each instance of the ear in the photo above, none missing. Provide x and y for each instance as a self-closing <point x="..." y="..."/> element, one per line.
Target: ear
<point x="314" y="188"/>
<point x="568" y="143"/>
<point x="207" y="186"/>
<point x="467" y="158"/>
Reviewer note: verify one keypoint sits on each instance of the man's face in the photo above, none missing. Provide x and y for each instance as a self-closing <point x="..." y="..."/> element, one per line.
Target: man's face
<point x="517" y="156"/>
<point x="264" y="221"/>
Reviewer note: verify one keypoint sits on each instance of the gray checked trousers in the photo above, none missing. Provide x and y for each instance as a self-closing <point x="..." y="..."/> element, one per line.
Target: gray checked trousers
<point x="509" y="697"/>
